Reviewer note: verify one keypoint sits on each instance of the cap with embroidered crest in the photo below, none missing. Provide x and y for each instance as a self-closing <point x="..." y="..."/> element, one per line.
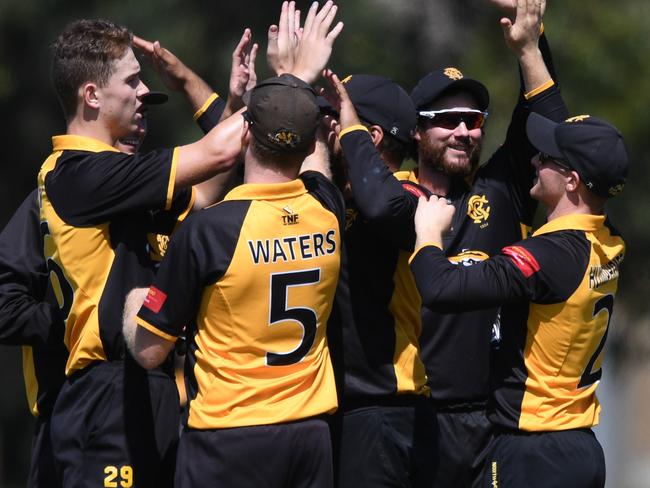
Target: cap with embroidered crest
<point x="436" y="83"/>
<point x="283" y="113"/>
<point x="381" y="101"/>
<point x="595" y="149"/>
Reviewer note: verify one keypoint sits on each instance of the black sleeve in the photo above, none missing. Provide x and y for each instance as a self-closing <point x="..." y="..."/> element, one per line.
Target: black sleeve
<point x="532" y="270"/>
<point x="511" y="162"/>
<point x="326" y="193"/>
<point x="24" y="318"/>
<point x="198" y="255"/>
<point x="165" y="221"/>
<point x="211" y="115"/>
<point x="90" y="188"/>
<point x="379" y="195"/>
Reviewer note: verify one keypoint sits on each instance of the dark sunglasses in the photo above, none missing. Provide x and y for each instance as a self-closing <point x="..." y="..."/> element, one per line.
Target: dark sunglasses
<point x="451" y="118"/>
<point x="560" y="163"/>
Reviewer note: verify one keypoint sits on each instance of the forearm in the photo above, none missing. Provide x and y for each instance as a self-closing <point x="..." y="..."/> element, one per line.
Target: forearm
<point x="376" y="191"/>
<point x="148" y="349"/>
<point x="215" y="153"/>
<point x="24" y="320"/>
<point x="453" y="288"/>
<point x="196" y="90"/>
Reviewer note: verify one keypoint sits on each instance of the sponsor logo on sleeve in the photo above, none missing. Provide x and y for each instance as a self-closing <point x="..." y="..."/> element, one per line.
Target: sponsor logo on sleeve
<point x="523" y="259"/>
<point x="155" y="299"/>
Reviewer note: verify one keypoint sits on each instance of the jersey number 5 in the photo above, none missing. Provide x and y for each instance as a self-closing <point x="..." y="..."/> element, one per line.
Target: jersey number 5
<point x="604" y="305"/>
<point x="306" y="317"/>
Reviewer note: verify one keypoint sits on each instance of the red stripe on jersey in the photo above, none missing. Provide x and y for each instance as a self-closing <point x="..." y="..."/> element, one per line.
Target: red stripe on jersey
<point x="524" y="260"/>
<point x="155" y="299"/>
<point x="413" y="189"/>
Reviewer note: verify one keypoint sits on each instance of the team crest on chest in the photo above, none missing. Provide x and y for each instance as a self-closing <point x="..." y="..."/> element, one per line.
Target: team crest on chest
<point x="478" y="209"/>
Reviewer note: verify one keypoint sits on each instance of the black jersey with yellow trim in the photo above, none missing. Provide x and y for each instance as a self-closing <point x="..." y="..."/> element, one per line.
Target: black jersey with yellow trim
<point x="379" y="355"/>
<point x="210" y="113"/>
<point x="492" y="210"/>
<point x="97" y="207"/>
<point x="557" y="290"/>
<point x="26" y="318"/>
<point x="253" y="278"/>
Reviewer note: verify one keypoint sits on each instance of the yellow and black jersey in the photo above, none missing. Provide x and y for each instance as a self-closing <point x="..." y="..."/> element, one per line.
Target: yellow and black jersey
<point x="99" y="209"/>
<point x="557" y="290"/>
<point x="26" y="317"/>
<point x="492" y="210"/>
<point x="253" y="279"/>
<point x="379" y="356"/>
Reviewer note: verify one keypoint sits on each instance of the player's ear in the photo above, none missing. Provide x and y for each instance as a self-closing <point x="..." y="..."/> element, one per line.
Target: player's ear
<point x="417" y="136"/>
<point x="573" y="182"/>
<point x="88" y="92"/>
<point x="377" y="134"/>
<point x="245" y="133"/>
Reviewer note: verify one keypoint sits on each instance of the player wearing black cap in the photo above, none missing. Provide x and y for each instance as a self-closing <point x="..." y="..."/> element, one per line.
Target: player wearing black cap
<point x="557" y="292"/>
<point x="253" y="279"/>
<point x="493" y="209"/>
<point x="387" y="415"/>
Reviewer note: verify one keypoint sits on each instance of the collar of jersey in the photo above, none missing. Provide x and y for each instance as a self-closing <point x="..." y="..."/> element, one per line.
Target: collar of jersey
<point x="80" y="143"/>
<point x="267" y="191"/>
<point x="407" y="175"/>
<point x="584" y="222"/>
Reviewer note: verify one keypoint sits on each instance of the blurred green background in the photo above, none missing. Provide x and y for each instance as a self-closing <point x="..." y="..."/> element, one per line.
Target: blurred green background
<point x="601" y="50"/>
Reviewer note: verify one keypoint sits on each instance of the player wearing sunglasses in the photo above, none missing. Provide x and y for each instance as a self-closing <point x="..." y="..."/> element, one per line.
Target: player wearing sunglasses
<point x="493" y="209"/>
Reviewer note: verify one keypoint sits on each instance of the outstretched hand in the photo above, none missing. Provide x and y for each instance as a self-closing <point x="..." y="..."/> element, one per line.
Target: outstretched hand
<point x="171" y="70"/>
<point x="340" y="101"/>
<point x="433" y="218"/>
<point x="523" y="33"/>
<point x="242" y="72"/>
<point x="303" y="51"/>
<point x="283" y="39"/>
<point x="316" y="41"/>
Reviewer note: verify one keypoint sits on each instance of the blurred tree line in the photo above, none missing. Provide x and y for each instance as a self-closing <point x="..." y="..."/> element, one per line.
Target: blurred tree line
<point x="600" y="52"/>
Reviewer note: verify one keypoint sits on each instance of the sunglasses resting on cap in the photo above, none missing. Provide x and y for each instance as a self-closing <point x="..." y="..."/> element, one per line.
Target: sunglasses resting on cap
<point x="451" y="118"/>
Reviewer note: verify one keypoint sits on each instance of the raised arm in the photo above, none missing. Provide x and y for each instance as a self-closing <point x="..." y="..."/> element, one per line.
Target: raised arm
<point x="522" y="33"/>
<point x="175" y="75"/>
<point x="242" y="73"/>
<point x="303" y="51"/>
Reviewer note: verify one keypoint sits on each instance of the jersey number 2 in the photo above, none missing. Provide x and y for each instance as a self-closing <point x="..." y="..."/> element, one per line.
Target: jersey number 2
<point x="279" y="312"/>
<point x="606" y="305"/>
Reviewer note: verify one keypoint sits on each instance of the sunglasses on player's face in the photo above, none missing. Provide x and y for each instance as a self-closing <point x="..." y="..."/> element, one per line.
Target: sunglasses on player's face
<point x="451" y="118"/>
<point x="560" y="163"/>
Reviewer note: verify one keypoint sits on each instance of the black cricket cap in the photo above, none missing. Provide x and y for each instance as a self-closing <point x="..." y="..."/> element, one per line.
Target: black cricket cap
<point x="433" y="85"/>
<point x="154" y="98"/>
<point x="283" y="113"/>
<point x="380" y="101"/>
<point x="592" y="147"/>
